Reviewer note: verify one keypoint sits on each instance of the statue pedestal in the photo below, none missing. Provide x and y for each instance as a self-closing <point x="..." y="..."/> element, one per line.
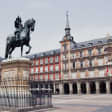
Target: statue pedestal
<point x="17" y="91"/>
<point x="17" y="68"/>
<point x="14" y="86"/>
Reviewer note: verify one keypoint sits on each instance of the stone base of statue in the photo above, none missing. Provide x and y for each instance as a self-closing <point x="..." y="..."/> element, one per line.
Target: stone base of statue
<point x="16" y="91"/>
<point x="14" y="84"/>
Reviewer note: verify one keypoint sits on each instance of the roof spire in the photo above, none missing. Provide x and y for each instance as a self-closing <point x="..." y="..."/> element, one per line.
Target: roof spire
<point x="67" y="28"/>
<point x="67" y="19"/>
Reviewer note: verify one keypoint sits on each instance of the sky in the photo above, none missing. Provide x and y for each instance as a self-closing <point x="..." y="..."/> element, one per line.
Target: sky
<point x="89" y="19"/>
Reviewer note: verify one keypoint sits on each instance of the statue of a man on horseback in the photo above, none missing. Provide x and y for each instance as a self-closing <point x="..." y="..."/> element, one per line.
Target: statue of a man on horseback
<point x="20" y="37"/>
<point x="19" y="28"/>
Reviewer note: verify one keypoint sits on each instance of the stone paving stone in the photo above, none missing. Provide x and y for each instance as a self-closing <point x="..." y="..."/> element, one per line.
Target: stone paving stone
<point x="81" y="103"/>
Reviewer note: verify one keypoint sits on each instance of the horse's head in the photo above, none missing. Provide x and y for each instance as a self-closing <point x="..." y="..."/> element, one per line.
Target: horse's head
<point x="30" y="24"/>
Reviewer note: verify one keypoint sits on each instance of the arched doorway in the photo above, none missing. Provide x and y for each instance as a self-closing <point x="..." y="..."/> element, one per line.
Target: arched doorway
<point x="102" y="87"/>
<point x="92" y="87"/>
<point x="66" y="88"/>
<point x="74" y="88"/>
<point x="46" y="85"/>
<point x="83" y="88"/>
<point x="110" y="87"/>
<point x="57" y="91"/>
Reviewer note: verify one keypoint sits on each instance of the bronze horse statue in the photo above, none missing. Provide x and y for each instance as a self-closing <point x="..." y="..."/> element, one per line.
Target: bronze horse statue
<point x="24" y="39"/>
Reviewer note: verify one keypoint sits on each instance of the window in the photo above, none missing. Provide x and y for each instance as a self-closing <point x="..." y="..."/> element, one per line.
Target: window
<point x="81" y="64"/>
<point x="95" y="52"/>
<point x="86" y="63"/>
<point x="41" y="61"/>
<point x="99" y="50"/>
<point x="85" y="53"/>
<point x="36" y="70"/>
<point x="90" y="63"/>
<point x="72" y="55"/>
<point x="64" y="57"/>
<point x="46" y="60"/>
<point x="46" y="68"/>
<point x="77" y="64"/>
<point x="99" y="42"/>
<point x="51" y="68"/>
<point x="82" y="45"/>
<point x="41" y="69"/>
<point x="51" y="76"/>
<point x="46" y="76"/>
<point x="36" y="77"/>
<point x="95" y="62"/>
<point x="77" y="54"/>
<point x="57" y="67"/>
<point x="80" y="53"/>
<point x="57" y="76"/>
<point x="65" y="66"/>
<point x="51" y="59"/>
<point x="37" y="62"/>
<point x="90" y="44"/>
<point x="32" y="70"/>
<point x="32" y="62"/>
<point x="89" y="51"/>
<point x="74" y="64"/>
<point x="41" y="77"/>
<point x="56" y="59"/>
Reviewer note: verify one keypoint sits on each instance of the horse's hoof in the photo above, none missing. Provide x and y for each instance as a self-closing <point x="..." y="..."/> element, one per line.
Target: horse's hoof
<point x="27" y="52"/>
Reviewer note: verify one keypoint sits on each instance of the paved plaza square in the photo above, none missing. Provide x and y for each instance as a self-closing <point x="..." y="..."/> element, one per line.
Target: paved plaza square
<point x="81" y="103"/>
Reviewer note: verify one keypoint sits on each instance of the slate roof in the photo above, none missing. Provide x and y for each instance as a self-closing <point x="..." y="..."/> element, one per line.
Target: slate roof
<point x="91" y="43"/>
<point x="76" y="46"/>
<point x="44" y="54"/>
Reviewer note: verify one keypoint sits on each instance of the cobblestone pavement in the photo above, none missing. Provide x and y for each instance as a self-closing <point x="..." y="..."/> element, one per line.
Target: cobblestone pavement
<point x="81" y="103"/>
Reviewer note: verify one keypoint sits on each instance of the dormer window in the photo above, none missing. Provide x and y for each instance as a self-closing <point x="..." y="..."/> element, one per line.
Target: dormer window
<point x="109" y="40"/>
<point x="82" y="45"/>
<point x="99" y="42"/>
<point x="90" y="44"/>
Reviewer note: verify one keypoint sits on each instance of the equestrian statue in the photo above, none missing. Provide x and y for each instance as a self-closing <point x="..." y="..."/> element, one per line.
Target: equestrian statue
<point x="20" y="37"/>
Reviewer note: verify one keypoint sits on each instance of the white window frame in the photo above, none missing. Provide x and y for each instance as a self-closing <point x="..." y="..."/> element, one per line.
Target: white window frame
<point x="41" y="61"/>
<point x="46" y="60"/>
<point x="46" y="68"/>
<point x="56" y="67"/>
<point x="41" y="69"/>
<point x="51" y="68"/>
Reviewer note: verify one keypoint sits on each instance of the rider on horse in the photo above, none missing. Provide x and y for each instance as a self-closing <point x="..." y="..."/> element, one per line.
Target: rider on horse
<point x="19" y="27"/>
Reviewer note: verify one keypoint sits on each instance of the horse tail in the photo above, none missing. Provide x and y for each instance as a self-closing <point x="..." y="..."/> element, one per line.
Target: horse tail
<point x="6" y="50"/>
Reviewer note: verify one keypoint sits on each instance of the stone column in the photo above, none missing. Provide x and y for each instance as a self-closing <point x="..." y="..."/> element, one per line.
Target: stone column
<point x="108" y="87"/>
<point x="87" y="88"/>
<point x="54" y="89"/>
<point x="70" y="88"/>
<point x="61" y="88"/>
<point x="78" y="88"/>
<point x="97" y="87"/>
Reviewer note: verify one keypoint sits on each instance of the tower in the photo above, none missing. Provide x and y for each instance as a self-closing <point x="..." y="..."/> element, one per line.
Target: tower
<point x="67" y="43"/>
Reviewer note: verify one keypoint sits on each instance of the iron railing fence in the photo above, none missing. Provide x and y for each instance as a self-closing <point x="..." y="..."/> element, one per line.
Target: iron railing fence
<point x="21" y="95"/>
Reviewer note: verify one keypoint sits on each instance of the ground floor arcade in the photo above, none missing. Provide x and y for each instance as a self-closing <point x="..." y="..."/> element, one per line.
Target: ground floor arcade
<point x="85" y="86"/>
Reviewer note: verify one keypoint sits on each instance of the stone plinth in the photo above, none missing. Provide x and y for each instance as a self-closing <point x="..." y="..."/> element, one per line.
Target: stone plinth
<point x="14" y="84"/>
<point x="17" y="68"/>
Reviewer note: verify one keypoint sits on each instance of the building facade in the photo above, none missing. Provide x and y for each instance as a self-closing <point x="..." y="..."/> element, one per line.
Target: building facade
<point x="77" y="67"/>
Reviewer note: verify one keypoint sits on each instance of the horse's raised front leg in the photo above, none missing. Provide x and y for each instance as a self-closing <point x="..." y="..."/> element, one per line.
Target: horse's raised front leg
<point x="22" y="50"/>
<point x="28" y="49"/>
<point x="10" y="51"/>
